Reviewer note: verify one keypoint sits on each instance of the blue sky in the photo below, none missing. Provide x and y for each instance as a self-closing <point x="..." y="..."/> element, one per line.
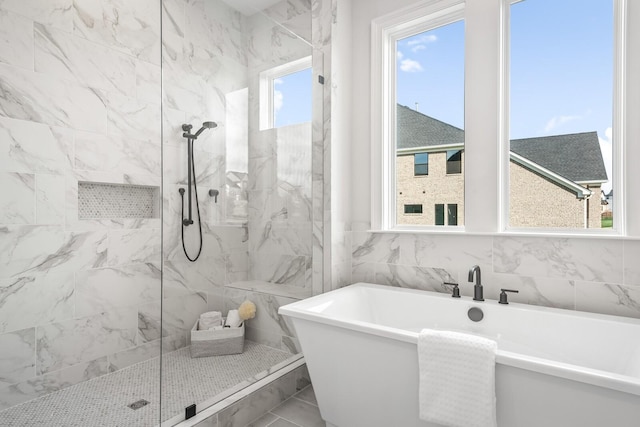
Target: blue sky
<point x="561" y="70"/>
<point x="292" y="98"/>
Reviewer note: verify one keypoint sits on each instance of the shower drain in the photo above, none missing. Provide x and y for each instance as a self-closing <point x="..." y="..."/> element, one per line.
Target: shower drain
<point x="139" y="404"/>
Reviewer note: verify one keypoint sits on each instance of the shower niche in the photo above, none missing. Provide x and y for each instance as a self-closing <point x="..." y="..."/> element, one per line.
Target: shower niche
<point x="106" y="201"/>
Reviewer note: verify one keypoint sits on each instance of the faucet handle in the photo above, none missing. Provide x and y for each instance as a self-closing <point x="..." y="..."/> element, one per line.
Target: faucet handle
<point x="456" y="289"/>
<point x="503" y="295"/>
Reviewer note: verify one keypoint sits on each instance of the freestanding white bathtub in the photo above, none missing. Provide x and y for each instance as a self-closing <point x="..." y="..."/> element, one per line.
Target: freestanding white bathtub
<point x="553" y="367"/>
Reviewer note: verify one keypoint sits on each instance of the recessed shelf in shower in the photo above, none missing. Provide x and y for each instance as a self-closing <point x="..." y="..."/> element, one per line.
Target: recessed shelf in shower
<point x="103" y="200"/>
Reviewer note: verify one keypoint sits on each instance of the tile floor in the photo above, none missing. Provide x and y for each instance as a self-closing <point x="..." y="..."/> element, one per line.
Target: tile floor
<point x="300" y="410"/>
<point x="103" y="401"/>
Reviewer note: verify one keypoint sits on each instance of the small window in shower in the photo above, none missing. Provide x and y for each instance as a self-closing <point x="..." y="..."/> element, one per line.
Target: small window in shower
<point x="285" y="94"/>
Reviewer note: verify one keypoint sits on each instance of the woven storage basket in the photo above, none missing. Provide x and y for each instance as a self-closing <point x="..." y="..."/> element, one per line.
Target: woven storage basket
<point x="216" y="343"/>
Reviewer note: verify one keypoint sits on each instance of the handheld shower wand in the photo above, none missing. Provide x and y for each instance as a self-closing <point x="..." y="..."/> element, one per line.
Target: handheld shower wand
<point x="191" y="176"/>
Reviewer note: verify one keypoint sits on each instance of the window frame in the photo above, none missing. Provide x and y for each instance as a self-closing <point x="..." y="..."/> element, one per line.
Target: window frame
<point x="413" y="213"/>
<point x="486" y="117"/>
<point x="449" y="216"/>
<point x="459" y="161"/>
<point x="386" y="31"/>
<point x="267" y="80"/>
<point x="415" y="163"/>
<point x="441" y="207"/>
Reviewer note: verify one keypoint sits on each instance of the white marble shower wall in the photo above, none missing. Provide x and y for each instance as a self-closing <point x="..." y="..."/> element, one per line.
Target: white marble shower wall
<point x="279" y="208"/>
<point x="212" y="56"/>
<point x="598" y="275"/>
<point x="79" y="101"/>
<point x="204" y="63"/>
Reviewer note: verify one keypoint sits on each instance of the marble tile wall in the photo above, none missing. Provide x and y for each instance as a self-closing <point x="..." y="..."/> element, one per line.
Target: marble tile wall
<point x="255" y="404"/>
<point x="79" y="101"/>
<point x="595" y="275"/>
<point x="204" y="60"/>
<point x="280" y="175"/>
<point x="212" y="56"/>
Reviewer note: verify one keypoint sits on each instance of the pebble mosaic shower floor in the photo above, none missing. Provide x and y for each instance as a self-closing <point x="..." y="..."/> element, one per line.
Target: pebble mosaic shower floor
<point x="103" y="401"/>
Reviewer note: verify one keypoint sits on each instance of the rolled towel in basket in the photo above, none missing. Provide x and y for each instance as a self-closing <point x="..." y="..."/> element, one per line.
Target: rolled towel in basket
<point x="210" y="319"/>
<point x="233" y="319"/>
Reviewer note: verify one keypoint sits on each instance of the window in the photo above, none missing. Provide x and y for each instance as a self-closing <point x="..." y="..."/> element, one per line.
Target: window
<point x="454" y="161"/>
<point x="539" y="111"/>
<point x="428" y="77"/>
<point x="421" y="164"/>
<point x="452" y="214"/>
<point x="413" y="209"/>
<point x="439" y="214"/>
<point x="561" y="100"/>
<point x="285" y="94"/>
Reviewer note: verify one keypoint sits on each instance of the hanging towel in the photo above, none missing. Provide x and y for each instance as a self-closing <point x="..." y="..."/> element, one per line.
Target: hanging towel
<point x="457" y="379"/>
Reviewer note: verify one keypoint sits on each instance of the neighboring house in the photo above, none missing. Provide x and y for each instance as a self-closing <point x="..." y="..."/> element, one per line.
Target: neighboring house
<point x="554" y="181"/>
<point x="607" y="201"/>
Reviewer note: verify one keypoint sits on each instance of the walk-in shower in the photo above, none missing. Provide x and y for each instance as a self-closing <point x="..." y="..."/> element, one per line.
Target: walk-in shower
<point x="100" y="222"/>
<point x="192" y="189"/>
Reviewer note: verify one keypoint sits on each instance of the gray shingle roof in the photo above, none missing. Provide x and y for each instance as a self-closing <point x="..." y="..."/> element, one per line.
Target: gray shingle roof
<point x="418" y="130"/>
<point x="574" y="156"/>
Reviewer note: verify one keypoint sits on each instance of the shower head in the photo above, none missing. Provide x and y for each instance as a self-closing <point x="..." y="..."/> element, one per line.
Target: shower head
<point x="206" y="125"/>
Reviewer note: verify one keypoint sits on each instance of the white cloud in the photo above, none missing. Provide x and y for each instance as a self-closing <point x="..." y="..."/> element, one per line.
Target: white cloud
<point x="423" y="39"/>
<point x="558" y="121"/>
<point x="278" y="81"/>
<point x="400" y="55"/>
<point x="418" y="48"/>
<point x="410" y="66"/>
<point x="607" y="155"/>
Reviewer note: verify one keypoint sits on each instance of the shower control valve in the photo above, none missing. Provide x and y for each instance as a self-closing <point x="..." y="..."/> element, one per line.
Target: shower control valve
<point x="214" y="194"/>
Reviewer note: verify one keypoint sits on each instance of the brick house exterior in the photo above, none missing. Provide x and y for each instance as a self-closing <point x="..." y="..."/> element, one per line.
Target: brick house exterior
<point x="555" y="181"/>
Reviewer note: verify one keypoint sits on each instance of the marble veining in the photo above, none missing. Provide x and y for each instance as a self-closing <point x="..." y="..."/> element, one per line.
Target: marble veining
<point x="551" y="272"/>
<point x="129" y="27"/>
<point x="559" y="257"/>
<point x="60" y="54"/>
<point x="631" y="265"/>
<point x="134" y="246"/>
<point x="32" y="147"/>
<point x="102" y="153"/>
<point x="57" y="250"/>
<point x="43" y="385"/>
<point x="80" y="102"/>
<point x="184" y="277"/>
<point x="376" y="247"/>
<point x="56" y="13"/>
<point x="45" y="99"/>
<point x="17" y="205"/>
<point x="17" y="362"/>
<point x="36" y="299"/>
<point x="608" y="298"/>
<point x="102" y="290"/>
<point x="64" y="344"/>
<point x="16" y="40"/>
<point x="50" y="199"/>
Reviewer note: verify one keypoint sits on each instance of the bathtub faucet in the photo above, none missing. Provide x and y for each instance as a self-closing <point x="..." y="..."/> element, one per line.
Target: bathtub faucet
<point x="477" y="288"/>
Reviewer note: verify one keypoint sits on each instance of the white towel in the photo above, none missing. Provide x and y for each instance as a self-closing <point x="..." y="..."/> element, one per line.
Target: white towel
<point x="233" y="319"/>
<point x="457" y="379"/>
<point x="209" y="320"/>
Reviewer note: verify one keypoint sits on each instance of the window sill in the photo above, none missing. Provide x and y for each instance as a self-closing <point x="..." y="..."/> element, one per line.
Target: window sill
<point x="459" y="231"/>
